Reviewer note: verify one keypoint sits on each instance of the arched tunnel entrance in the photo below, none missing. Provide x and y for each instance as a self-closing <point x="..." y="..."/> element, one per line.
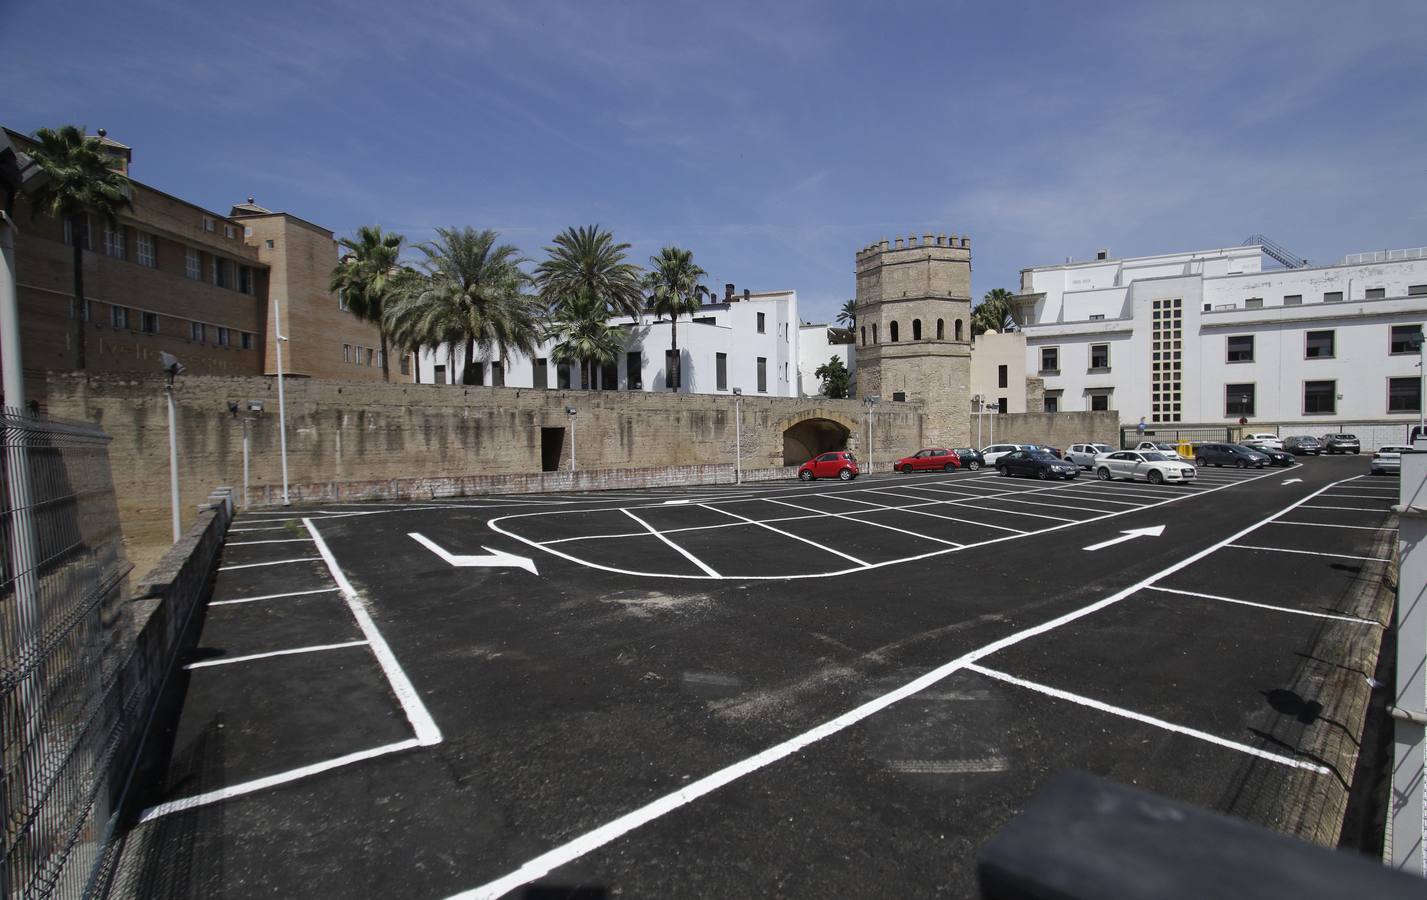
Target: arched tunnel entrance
<point x="806" y="439"/>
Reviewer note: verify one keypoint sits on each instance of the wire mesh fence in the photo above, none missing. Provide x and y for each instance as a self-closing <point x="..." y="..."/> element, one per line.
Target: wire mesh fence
<point x="62" y="627"/>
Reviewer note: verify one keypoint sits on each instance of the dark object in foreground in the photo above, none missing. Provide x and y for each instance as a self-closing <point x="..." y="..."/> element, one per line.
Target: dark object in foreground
<point x="1085" y="838"/>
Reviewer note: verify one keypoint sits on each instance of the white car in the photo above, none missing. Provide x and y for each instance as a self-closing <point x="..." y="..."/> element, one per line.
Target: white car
<point x="1166" y="447"/>
<point x="1153" y="466"/>
<point x="996" y="451"/>
<point x="1083" y="455"/>
<point x="1263" y="441"/>
<point x="1388" y="460"/>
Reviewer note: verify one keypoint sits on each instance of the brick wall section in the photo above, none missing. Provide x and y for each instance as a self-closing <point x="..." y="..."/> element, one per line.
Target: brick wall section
<point x="346" y="439"/>
<point x="1054" y="429"/>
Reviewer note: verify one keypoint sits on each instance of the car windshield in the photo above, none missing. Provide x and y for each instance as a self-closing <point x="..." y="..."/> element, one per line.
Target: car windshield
<point x="1165" y="445"/>
<point x="1346" y="437"/>
<point x="1154" y="456"/>
<point x="1103" y="448"/>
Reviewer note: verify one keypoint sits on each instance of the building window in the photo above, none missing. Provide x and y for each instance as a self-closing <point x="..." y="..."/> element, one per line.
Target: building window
<point x="1003" y="376"/>
<point x="1098" y="317"/>
<point x="958" y="329"/>
<point x="540" y="373"/>
<point x="864" y="335"/>
<point x="1375" y="293"/>
<point x="1050" y="360"/>
<point x="1404" y="395"/>
<point x="114" y="241"/>
<point x="193" y="263"/>
<point x="1100" y="357"/>
<point x="245" y="339"/>
<point x="119" y="316"/>
<point x="1320" y="397"/>
<point x="762" y="374"/>
<point x="1052" y="403"/>
<point x="721" y="371"/>
<point x="69" y="234"/>
<point x="1318" y="345"/>
<point x="149" y="322"/>
<point x="245" y="279"/>
<point x="209" y="224"/>
<point x="940" y="330"/>
<point x="1292" y="299"/>
<point x="223" y="336"/>
<point x="497" y="373"/>
<point x="1240" y="348"/>
<point x="1099" y="402"/>
<point x="633" y="370"/>
<point x="196" y="331"/>
<point x="146" y="251"/>
<point x="406" y="364"/>
<point x="1253" y="303"/>
<point x="269" y="243"/>
<point x="1417" y="290"/>
<point x="1332" y="296"/>
<point x="874" y="332"/>
<point x="347" y="353"/>
<point x="438" y="375"/>
<point x="609" y="376"/>
<point x="1403" y="337"/>
<point x="762" y="326"/>
<point x="230" y="232"/>
<point x="916" y="329"/>
<point x="1239" y="400"/>
<point x="892" y="331"/>
<point x="222" y="272"/>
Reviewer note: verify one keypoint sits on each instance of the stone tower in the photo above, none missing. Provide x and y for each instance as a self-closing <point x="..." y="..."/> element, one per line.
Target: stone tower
<point x="914" y="331"/>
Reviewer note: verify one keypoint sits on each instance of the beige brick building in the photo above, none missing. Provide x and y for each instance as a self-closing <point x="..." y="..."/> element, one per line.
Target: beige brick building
<point x="913" y="329"/>
<point x="173" y="276"/>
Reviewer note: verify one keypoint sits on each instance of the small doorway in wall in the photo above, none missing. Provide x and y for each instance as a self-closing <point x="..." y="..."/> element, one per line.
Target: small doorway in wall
<point x="552" y="442"/>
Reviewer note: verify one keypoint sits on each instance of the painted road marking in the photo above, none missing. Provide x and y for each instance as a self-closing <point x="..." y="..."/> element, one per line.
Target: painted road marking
<point x="853" y="515"/>
<point x="1292" y="481"/>
<point x="1312" y="553"/>
<point x="272" y="597"/>
<point x="1353" y="508"/>
<point x="273" y="541"/>
<point x="276" y="562"/>
<point x="795" y="537"/>
<point x="706" y="569"/>
<point x="315" y="648"/>
<point x="1327" y="525"/>
<point x="1152" y="531"/>
<point x="598" y="837"/>
<point x="922" y="512"/>
<point x="1148" y="720"/>
<point x="496" y="558"/>
<point x="1285" y="609"/>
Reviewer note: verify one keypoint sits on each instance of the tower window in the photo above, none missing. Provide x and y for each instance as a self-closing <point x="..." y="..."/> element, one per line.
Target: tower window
<point x="940" y="330"/>
<point x="874" y="332"/>
<point x="916" y="329"/>
<point x="958" y="329"/>
<point x="864" y="335"/>
<point x="892" y="331"/>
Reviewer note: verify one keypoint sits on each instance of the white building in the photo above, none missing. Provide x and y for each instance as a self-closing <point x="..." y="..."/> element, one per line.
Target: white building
<point x="817" y="345"/>
<point x="1212" y="336"/>
<point x="747" y="341"/>
<point x="998" y="371"/>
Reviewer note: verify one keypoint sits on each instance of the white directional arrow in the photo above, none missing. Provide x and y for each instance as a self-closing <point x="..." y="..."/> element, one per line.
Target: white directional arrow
<point x="496" y="558"/>
<point x="1130" y="535"/>
<point x="1292" y="481"/>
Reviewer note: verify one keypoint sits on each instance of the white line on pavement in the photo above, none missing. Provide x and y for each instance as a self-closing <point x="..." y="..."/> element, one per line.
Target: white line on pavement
<point x="853" y="516"/>
<point x="846" y="556"/>
<point x="1285" y="609"/>
<point x="707" y="570"/>
<point x="1328" y="525"/>
<point x="274" y="541"/>
<point x="276" y="562"/>
<point x="316" y="648"/>
<point x="1311" y="553"/>
<point x="271" y="597"/>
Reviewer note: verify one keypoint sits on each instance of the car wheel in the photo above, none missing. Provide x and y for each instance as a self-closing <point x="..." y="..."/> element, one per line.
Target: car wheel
<point x="845" y="474"/>
<point x="1154" y="477"/>
<point x="1004" y="472"/>
<point x="1103" y="474"/>
<point x="1355" y="452"/>
<point x="1042" y="474"/>
<point x="949" y="467"/>
<point x="973" y="465"/>
<point x="806" y="475"/>
<point x="1199" y="461"/>
<point x="907" y="469"/>
<point x="1243" y="464"/>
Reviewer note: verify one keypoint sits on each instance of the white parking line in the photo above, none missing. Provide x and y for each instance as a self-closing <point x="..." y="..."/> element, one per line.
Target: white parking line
<point x="263" y="528"/>
<point x="1283" y="609"/>
<point x="252" y="656"/>
<point x="1089" y="509"/>
<point x="1148" y="720"/>
<point x="1311" y="553"/>
<point x="795" y="537"/>
<point x="274" y="541"/>
<point x="1351" y="508"/>
<point x="271" y="597"/>
<point x="923" y="512"/>
<point x="1327" y="525"/>
<point x="915" y="534"/>
<point x="276" y="562"/>
<point x="686" y="554"/>
<point x="1387" y="500"/>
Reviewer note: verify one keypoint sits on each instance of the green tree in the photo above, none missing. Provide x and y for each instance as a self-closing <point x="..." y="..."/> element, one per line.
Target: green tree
<point x="836" y="380"/>
<point x="363" y="278"/>
<point x="585" y="336"/>
<point x="674" y="289"/>
<point x="80" y="180"/>
<point x="993" y="312"/>
<point x="587" y="263"/>
<point x="847" y="315"/>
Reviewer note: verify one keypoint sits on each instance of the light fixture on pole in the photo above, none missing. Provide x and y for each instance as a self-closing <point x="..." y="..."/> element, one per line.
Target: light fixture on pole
<point x="738" y="435"/>
<point x="281" y="400"/>
<point x="976" y="401"/>
<point x="572" y="412"/>
<point x="255" y="406"/>
<point x="172" y="368"/>
<point x="871" y="402"/>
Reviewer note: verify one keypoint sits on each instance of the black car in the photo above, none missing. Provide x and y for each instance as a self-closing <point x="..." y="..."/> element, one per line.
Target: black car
<point x="971" y="458"/>
<point x="1302" y="445"/>
<point x="1277" y="457"/>
<point x="1040" y="463"/>
<point x="1341" y="443"/>
<point x="1230" y="455"/>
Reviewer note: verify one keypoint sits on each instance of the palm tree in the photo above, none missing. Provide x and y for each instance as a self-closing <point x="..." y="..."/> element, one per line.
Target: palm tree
<point x="364" y="275"/>
<point x="471" y="294"/>
<point x="674" y="289"/>
<point x="80" y="180"/>
<point x="586" y="262"/>
<point x="586" y="337"/>
<point x="847" y="315"/>
<point x="993" y="313"/>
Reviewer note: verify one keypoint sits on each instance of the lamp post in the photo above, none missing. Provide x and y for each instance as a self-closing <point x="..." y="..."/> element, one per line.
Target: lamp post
<point x="281" y="400"/>
<point x="738" y="435"/>
<point x="572" y="412"/>
<point x="172" y="368"/>
<point x="872" y="402"/>
<point x="976" y="399"/>
<point x="1417" y="340"/>
<point x="255" y="406"/>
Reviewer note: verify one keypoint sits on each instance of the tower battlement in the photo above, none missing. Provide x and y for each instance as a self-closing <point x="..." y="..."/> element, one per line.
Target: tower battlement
<point x="950" y="242"/>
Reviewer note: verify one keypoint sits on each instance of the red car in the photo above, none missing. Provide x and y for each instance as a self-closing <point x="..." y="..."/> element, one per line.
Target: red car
<point x="933" y="459"/>
<point x="833" y="464"/>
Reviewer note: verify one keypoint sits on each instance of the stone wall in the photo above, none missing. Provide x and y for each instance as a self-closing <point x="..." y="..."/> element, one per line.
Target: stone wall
<point x="1054" y="429"/>
<point x="344" y="433"/>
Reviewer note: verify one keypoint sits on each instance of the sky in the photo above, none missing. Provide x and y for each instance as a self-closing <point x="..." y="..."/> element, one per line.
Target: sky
<point x="773" y="139"/>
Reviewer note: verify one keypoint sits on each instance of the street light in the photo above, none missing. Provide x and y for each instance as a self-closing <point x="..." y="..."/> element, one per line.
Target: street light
<point x="255" y="406"/>
<point x="172" y="368"/>
<point x="976" y="399"/>
<point x="281" y="400"/>
<point x="738" y="435"/>
<point x="871" y="402"/>
<point x="572" y="412"/>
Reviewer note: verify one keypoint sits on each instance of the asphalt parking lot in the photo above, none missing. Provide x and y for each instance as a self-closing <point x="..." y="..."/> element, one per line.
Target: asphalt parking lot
<point x="776" y="689"/>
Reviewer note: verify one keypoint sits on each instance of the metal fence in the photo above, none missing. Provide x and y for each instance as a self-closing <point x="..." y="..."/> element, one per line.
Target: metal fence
<point x="62" y="624"/>
<point x="1371" y="435"/>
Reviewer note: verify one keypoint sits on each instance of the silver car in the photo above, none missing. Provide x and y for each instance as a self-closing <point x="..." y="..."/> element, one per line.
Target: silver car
<point x="1083" y="455"/>
<point x="1388" y="460"/>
